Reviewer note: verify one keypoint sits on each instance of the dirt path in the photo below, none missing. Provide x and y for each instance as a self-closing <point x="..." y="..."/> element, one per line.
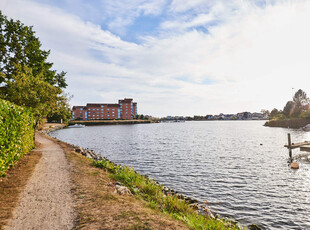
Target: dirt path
<point x="46" y="202"/>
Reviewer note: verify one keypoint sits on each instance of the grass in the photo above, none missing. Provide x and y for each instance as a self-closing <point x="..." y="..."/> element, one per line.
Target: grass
<point x="98" y="207"/>
<point x="153" y="193"/>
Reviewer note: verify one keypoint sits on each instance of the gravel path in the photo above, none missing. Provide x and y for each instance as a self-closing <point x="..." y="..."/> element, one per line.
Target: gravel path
<point x="46" y="202"/>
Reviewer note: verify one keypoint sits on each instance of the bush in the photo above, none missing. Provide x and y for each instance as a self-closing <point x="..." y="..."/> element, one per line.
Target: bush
<point x="16" y="134"/>
<point x="305" y="114"/>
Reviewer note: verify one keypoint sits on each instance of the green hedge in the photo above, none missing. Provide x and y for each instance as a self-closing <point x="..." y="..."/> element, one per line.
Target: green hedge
<point x="16" y="134"/>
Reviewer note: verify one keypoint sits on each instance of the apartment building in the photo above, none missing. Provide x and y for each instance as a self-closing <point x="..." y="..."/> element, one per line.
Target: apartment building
<point x="125" y="109"/>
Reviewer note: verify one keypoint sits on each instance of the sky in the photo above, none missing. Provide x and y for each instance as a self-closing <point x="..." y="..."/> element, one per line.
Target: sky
<point x="175" y="57"/>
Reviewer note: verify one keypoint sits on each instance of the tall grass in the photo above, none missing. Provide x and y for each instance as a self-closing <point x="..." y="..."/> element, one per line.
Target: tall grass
<point x="153" y="193"/>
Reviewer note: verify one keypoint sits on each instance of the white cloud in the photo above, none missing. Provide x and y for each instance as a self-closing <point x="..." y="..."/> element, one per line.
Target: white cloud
<point x="200" y="20"/>
<point x="121" y="14"/>
<point x="184" y="5"/>
<point x="253" y="55"/>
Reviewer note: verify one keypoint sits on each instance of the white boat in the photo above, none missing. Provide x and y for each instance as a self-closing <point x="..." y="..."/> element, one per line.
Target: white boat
<point x="77" y="126"/>
<point x="306" y="128"/>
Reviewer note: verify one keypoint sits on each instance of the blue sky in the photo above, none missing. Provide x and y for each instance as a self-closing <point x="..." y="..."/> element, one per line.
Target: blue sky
<point x="175" y="57"/>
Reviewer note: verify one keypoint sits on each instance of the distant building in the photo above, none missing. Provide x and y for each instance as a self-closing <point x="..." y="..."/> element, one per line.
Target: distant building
<point x="125" y="109"/>
<point x="257" y="116"/>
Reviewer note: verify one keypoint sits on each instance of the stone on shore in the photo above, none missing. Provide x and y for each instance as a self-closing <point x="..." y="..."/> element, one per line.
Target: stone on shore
<point x="122" y="190"/>
<point x="294" y="165"/>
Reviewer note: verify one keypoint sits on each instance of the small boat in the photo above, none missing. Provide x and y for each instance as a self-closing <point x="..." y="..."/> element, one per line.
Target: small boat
<point x="77" y="126"/>
<point x="306" y="128"/>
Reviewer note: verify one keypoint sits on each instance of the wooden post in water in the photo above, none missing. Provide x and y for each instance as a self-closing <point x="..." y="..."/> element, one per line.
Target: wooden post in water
<point x="289" y="145"/>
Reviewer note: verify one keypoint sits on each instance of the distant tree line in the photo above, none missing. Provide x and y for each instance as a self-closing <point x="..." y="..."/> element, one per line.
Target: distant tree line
<point x="26" y="77"/>
<point x="298" y="107"/>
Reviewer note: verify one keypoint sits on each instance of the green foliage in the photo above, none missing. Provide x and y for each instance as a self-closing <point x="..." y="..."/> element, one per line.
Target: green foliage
<point x="195" y="221"/>
<point x="153" y="193"/>
<point x="289" y="109"/>
<point x="297" y="108"/>
<point x="62" y="111"/>
<point x="305" y="114"/>
<point x="19" y="45"/>
<point x="33" y="92"/>
<point x="16" y="134"/>
<point x="26" y="78"/>
<point x="274" y="113"/>
<point x="301" y="99"/>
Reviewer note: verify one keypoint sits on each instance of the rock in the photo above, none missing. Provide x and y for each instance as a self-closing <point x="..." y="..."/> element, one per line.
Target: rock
<point x="194" y="206"/>
<point x="253" y="227"/>
<point x="294" y="165"/>
<point x="205" y="202"/>
<point x="166" y="190"/>
<point x="79" y="150"/>
<point x="122" y="190"/>
<point x="206" y="210"/>
<point x="190" y="200"/>
<point x="110" y="184"/>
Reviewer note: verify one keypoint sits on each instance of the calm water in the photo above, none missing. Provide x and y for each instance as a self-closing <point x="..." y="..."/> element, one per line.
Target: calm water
<point x="219" y="161"/>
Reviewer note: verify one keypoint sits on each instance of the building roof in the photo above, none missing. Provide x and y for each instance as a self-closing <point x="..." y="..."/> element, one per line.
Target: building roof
<point x="126" y="100"/>
<point x="78" y="107"/>
<point x="98" y="105"/>
<point x="113" y="105"/>
<point x="94" y="105"/>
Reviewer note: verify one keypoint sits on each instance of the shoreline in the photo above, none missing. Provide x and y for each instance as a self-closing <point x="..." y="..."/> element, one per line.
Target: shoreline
<point x="91" y="154"/>
<point x="96" y="205"/>
<point x="200" y="206"/>
<point x="111" y="122"/>
<point x="294" y="123"/>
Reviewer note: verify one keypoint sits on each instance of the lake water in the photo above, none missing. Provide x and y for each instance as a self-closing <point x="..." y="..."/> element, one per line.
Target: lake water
<point x="239" y="167"/>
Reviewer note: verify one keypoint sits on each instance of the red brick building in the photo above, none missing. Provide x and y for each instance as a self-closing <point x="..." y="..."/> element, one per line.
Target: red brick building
<point x="125" y="109"/>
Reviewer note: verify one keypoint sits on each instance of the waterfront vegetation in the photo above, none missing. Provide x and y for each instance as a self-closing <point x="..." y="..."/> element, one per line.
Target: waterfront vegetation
<point x="16" y="134"/>
<point x="26" y="77"/>
<point x="295" y="114"/>
<point x="297" y="108"/>
<point x="29" y="90"/>
<point x="154" y="195"/>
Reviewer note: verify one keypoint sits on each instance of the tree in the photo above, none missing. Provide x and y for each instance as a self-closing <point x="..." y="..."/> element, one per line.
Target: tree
<point x="274" y="113"/>
<point x="301" y="101"/>
<point x="62" y="111"/>
<point x="26" y="78"/>
<point x="265" y="112"/>
<point x="20" y="47"/>
<point x="289" y="108"/>
<point x="33" y="92"/>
